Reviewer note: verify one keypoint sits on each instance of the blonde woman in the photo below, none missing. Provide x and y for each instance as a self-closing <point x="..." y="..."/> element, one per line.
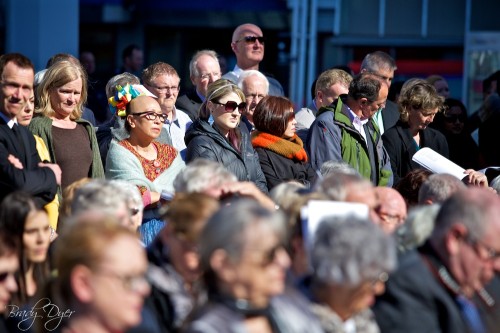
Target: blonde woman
<point x="71" y="141"/>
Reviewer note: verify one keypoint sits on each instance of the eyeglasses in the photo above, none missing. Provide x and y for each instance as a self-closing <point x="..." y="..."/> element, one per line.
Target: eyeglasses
<point x="151" y="115"/>
<point x="129" y="282"/>
<point x="230" y="106"/>
<point x="491" y="254"/>
<point x="271" y="254"/>
<point x="166" y="88"/>
<point x="207" y="76"/>
<point x="381" y="278"/>
<point x="396" y="219"/>
<point x="252" y="39"/>
<point x="5" y="275"/>
<point x="452" y="118"/>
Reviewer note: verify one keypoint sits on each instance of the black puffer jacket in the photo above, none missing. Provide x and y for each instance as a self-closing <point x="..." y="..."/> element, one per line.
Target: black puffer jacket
<point x="203" y="141"/>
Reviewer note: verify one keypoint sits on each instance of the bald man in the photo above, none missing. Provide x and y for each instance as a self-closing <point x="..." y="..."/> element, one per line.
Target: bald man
<point x="248" y="46"/>
<point x="392" y="209"/>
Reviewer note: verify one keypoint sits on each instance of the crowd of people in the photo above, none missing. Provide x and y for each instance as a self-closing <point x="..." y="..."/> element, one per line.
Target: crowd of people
<point x="230" y="209"/>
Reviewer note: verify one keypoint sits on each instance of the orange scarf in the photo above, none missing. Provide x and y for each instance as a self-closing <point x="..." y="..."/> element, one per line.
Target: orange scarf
<point x="292" y="148"/>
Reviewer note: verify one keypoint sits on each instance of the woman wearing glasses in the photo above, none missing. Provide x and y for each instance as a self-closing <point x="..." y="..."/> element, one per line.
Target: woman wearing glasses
<point x="453" y="124"/>
<point x="225" y="141"/>
<point x="281" y="152"/>
<point x="351" y="259"/>
<point x="244" y="263"/>
<point x="139" y="159"/>
<point x="71" y="141"/>
<point x="100" y="284"/>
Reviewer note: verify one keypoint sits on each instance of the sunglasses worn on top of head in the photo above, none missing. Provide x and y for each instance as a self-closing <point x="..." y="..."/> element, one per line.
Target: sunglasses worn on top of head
<point x="230" y="106"/>
<point x="252" y="39"/>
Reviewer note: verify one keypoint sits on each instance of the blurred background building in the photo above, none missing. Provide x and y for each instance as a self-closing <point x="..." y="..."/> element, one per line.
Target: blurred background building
<point x="459" y="39"/>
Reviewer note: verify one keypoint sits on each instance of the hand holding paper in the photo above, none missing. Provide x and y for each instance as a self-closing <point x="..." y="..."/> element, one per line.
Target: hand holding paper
<point x="437" y="163"/>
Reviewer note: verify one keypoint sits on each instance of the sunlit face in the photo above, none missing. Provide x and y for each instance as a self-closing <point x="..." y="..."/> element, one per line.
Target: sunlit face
<point x="224" y="120"/>
<point x="136" y="214"/>
<point x="25" y="116"/>
<point x="368" y="109"/>
<point x="36" y="236"/>
<point x="120" y="279"/>
<point x="290" y="128"/>
<point x="9" y="265"/>
<point x="392" y="209"/>
<point x="208" y="71"/>
<point x="16" y="89"/>
<point x="260" y="272"/>
<point x="420" y="119"/>
<point x="348" y="301"/>
<point x="326" y="97"/>
<point x="248" y="53"/>
<point x="138" y="121"/>
<point x="365" y="194"/>
<point x="385" y="74"/>
<point x="64" y="100"/>
<point x="454" y="120"/>
<point x="183" y="253"/>
<point x="442" y="88"/>
<point x="254" y="89"/>
<point x="166" y="88"/>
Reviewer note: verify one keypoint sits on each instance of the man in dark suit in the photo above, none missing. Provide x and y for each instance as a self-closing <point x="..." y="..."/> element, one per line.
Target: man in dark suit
<point x="383" y="65"/>
<point x="435" y="287"/>
<point x="20" y="166"/>
<point x="204" y="69"/>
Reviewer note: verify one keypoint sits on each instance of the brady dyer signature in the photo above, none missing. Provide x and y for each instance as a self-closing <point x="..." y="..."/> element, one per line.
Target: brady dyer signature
<point x="50" y="315"/>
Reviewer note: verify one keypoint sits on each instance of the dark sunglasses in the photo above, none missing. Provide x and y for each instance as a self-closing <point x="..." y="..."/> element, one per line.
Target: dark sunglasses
<point x="252" y="39"/>
<point x="3" y="276"/>
<point x="453" y="118"/>
<point x="230" y="106"/>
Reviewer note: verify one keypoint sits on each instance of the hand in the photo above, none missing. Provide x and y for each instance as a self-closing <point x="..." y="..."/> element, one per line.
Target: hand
<point x="15" y="161"/>
<point x="55" y="168"/>
<point x="247" y="189"/>
<point x="475" y="178"/>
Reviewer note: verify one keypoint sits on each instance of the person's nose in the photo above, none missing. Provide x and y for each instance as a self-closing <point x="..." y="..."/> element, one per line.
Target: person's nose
<point x="10" y="283"/>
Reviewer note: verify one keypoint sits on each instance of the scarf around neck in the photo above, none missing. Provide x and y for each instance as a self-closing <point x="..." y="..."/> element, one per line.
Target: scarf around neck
<point x="292" y="149"/>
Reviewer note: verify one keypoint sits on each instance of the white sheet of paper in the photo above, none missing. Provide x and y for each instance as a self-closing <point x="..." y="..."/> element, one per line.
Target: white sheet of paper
<point x="316" y="210"/>
<point x="437" y="163"/>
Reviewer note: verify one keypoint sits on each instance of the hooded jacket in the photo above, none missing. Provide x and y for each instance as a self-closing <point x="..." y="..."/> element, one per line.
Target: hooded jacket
<point x="204" y="141"/>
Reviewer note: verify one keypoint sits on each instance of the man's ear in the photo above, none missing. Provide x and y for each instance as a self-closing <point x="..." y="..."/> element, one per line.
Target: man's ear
<point x="454" y="237"/>
<point x="234" y="47"/>
<point x="81" y="283"/>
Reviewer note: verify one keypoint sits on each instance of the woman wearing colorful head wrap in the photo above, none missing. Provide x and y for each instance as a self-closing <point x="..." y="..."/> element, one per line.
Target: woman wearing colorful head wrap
<point x="281" y="152"/>
<point x="224" y="141"/>
<point x="139" y="159"/>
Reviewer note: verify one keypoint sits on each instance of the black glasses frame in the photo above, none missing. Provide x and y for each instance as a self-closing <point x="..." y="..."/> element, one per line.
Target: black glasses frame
<point x="252" y="39"/>
<point x="151" y="116"/>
